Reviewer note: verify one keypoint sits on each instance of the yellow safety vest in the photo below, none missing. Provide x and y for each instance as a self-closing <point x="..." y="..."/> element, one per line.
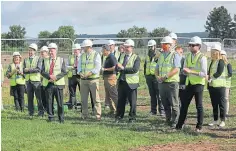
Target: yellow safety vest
<point x="150" y="65"/>
<point x="166" y="65"/>
<point x="195" y="65"/>
<point x="130" y="78"/>
<point x="88" y="64"/>
<point x="56" y="71"/>
<point x="32" y="76"/>
<point x="71" y="63"/>
<point x="17" y="79"/>
<point x="220" y="81"/>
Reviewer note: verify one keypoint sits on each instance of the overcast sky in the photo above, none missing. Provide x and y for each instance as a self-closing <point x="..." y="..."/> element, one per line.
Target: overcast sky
<point x="108" y="17"/>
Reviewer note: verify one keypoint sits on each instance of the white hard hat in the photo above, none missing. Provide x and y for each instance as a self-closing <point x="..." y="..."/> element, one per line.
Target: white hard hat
<point x="76" y="46"/>
<point x="151" y="42"/>
<point x="167" y="40"/>
<point x="173" y="36"/>
<point x="87" y="43"/>
<point x="129" y="42"/>
<point x="16" y="54"/>
<point x="195" y="40"/>
<point x="33" y="46"/>
<point x="52" y="46"/>
<point x="44" y="48"/>
<point x="216" y="47"/>
<point x="111" y="42"/>
<point x="223" y="52"/>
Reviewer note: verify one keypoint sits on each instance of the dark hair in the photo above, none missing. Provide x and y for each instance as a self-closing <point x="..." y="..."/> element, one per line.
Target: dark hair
<point x="106" y="47"/>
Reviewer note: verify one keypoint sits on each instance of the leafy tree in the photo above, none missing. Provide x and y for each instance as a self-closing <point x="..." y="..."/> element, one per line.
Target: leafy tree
<point x="43" y="34"/>
<point x="218" y="23"/>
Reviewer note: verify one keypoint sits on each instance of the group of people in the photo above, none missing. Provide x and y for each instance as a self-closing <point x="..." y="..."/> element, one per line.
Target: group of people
<point x="173" y="79"/>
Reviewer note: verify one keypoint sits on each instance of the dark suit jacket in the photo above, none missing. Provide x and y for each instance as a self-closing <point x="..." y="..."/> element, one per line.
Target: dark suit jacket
<point x="132" y="70"/>
<point x="59" y="76"/>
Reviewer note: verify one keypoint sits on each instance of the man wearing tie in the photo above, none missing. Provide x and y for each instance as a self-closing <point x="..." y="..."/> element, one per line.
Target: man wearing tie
<point x="53" y="71"/>
<point x="31" y="69"/>
<point x="128" y="68"/>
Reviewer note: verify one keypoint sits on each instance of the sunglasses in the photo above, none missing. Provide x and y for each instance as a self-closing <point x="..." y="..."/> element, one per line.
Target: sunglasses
<point x="191" y="45"/>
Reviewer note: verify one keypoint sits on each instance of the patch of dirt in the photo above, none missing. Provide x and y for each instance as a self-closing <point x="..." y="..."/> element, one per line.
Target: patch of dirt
<point x="199" y="146"/>
<point x="143" y="108"/>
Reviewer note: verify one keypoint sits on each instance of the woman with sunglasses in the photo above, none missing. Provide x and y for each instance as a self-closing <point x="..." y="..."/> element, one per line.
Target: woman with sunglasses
<point x="217" y="85"/>
<point x="17" y="81"/>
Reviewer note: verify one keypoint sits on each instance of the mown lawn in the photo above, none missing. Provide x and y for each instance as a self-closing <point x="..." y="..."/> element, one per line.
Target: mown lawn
<point x="20" y="133"/>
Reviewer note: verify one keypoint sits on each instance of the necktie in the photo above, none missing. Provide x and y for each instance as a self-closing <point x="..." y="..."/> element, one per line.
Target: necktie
<point x="125" y="61"/>
<point x="76" y="61"/>
<point x="51" y="67"/>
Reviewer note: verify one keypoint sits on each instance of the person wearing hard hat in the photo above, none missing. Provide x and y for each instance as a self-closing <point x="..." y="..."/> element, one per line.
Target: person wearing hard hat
<point x="32" y="68"/>
<point x="73" y="77"/>
<point x="152" y="83"/>
<point x="44" y="52"/>
<point x="54" y="71"/>
<point x="109" y="76"/>
<point x="128" y="79"/>
<point x="167" y="72"/>
<point x="217" y="85"/>
<point x="89" y="70"/>
<point x="112" y="45"/>
<point x="228" y="80"/>
<point x="195" y="67"/>
<point x="17" y="81"/>
<point x="174" y="38"/>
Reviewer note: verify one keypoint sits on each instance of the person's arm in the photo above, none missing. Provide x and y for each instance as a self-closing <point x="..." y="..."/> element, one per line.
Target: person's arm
<point x="176" y="66"/>
<point x="63" y="70"/>
<point x="97" y="64"/>
<point x="24" y="67"/>
<point x="230" y="70"/>
<point x="9" y="73"/>
<point x="79" y="65"/>
<point x="135" y="68"/>
<point x="38" y="67"/>
<point x="43" y="73"/>
<point x="220" y="69"/>
<point x="113" y="64"/>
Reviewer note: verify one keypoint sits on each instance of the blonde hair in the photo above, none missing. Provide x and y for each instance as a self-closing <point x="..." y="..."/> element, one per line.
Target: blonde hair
<point x="218" y="56"/>
<point x="225" y="59"/>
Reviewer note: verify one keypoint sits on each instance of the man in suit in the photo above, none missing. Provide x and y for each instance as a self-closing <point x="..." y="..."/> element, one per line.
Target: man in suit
<point x="53" y="71"/>
<point x="128" y="68"/>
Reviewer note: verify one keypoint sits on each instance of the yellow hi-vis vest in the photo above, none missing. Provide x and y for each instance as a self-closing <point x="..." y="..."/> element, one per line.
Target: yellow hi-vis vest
<point x="71" y="63"/>
<point x="88" y="64"/>
<point x="150" y="65"/>
<point x="166" y="65"/>
<point x="17" y="79"/>
<point x="220" y="81"/>
<point x="32" y="76"/>
<point x="130" y="78"/>
<point x="194" y="64"/>
<point x="56" y="71"/>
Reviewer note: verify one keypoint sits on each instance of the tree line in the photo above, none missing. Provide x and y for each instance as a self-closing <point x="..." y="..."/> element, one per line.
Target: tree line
<point x="219" y="24"/>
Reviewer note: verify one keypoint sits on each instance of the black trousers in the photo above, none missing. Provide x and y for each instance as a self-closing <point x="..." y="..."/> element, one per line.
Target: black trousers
<point x="181" y="96"/>
<point x="51" y="92"/>
<point x="218" y="101"/>
<point x="154" y="94"/>
<point x="44" y="100"/>
<point x="125" y="92"/>
<point x="34" y="88"/>
<point x="197" y="92"/>
<point x="18" y="93"/>
<point x="73" y="83"/>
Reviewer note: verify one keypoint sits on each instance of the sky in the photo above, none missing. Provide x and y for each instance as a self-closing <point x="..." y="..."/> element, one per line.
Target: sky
<point x="106" y="17"/>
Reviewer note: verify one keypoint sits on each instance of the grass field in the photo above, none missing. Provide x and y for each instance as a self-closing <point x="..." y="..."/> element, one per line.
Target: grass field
<point x="20" y="133"/>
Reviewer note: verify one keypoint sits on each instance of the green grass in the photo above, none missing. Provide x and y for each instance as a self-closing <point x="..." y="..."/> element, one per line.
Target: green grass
<point x="21" y="133"/>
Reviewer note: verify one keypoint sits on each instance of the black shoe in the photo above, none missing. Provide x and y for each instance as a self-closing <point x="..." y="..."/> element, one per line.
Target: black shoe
<point x="61" y="121"/>
<point x="50" y="120"/>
